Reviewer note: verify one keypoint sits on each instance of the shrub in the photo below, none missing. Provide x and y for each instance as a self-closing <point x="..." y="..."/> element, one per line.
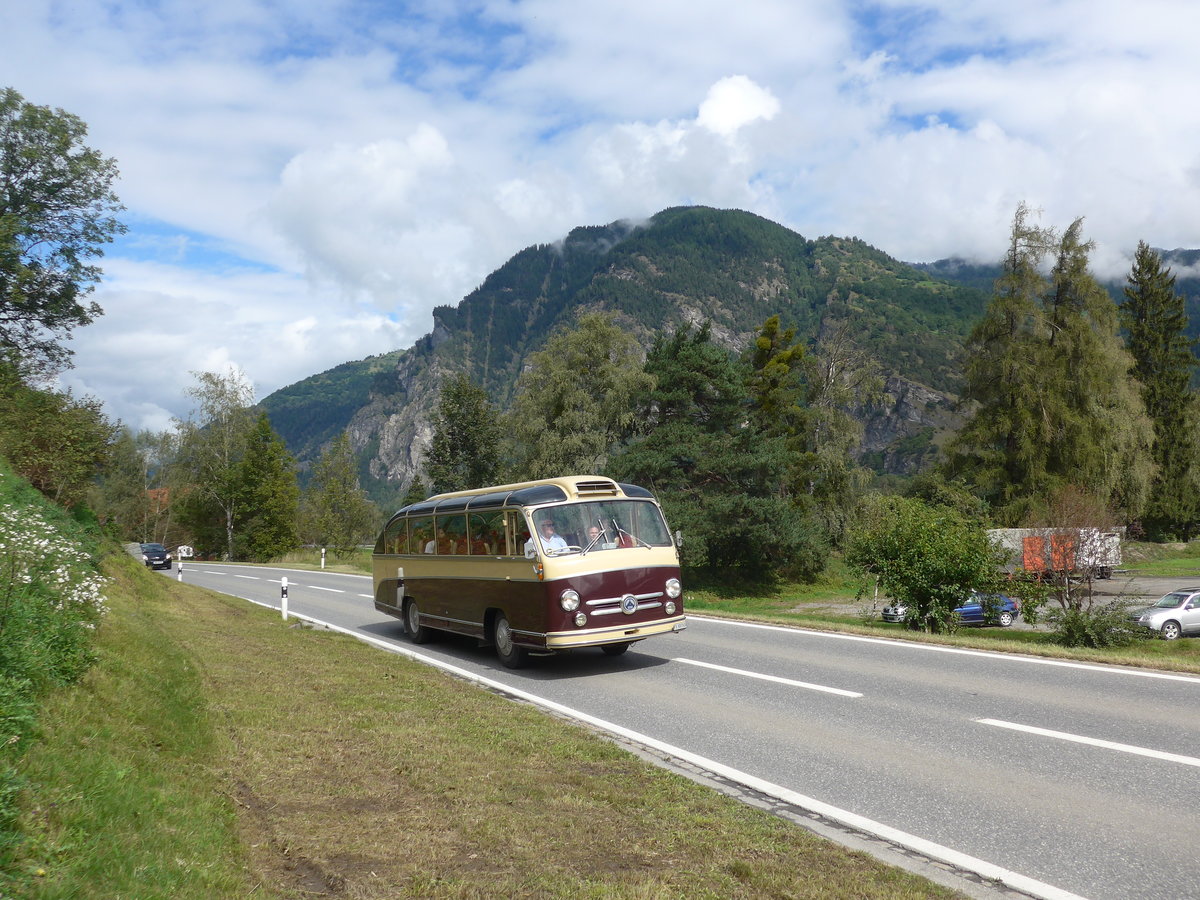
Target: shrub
<point x="1098" y="627"/>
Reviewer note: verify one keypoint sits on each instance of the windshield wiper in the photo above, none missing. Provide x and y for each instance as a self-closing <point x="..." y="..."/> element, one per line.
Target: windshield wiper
<point x="632" y="537"/>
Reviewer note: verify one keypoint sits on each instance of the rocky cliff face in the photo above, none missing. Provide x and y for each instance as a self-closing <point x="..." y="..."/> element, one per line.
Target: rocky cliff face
<point x="902" y="430"/>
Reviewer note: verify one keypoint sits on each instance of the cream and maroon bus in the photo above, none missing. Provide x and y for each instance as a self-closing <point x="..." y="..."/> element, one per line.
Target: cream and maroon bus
<point x="540" y="566"/>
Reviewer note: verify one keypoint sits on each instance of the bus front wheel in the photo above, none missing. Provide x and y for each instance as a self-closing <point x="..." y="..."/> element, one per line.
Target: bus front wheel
<point x="510" y="654"/>
<point x="615" y="649"/>
<point x="412" y="621"/>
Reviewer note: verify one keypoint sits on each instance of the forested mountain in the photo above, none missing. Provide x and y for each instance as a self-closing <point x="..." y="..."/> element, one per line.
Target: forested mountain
<point x="683" y="266"/>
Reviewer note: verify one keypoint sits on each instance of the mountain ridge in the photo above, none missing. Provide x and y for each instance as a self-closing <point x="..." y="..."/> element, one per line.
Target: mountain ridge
<point x="683" y="266"/>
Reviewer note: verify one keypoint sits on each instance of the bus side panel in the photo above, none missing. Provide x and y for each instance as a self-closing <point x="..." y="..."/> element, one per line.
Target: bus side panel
<point x="460" y="602"/>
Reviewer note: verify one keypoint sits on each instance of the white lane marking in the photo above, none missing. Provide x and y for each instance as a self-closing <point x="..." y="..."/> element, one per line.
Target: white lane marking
<point x="980" y="867"/>
<point x="367" y="596"/>
<point x="775" y="678"/>
<point x="247" y="577"/>
<point x="317" y="587"/>
<point x="1094" y="742"/>
<point x="935" y="648"/>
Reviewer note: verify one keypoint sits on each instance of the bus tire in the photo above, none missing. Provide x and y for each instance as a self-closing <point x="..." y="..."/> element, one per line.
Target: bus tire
<point x="615" y="649"/>
<point x="510" y="654"/>
<point x="412" y="623"/>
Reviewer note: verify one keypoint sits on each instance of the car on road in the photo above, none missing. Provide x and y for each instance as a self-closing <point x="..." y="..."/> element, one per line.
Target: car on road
<point x="1174" y="615"/>
<point x="977" y="609"/>
<point x="156" y="556"/>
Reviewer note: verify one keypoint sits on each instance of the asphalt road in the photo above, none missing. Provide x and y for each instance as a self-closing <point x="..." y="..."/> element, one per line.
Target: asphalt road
<point x="1070" y="780"/>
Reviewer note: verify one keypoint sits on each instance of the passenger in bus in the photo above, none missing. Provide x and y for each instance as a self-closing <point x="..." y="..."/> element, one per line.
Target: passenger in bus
<point x="442" y="544"/>
<point x="624" y="538"/>
<point x="551" y="540"/>
<point x="598" y="540"/>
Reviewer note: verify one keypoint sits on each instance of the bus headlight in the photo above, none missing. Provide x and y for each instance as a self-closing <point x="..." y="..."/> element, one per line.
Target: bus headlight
<point x="674" y="588"/>
<point x="670" y="607"/>
<point x="580" y="619"/>
<point x="569" y="600"/>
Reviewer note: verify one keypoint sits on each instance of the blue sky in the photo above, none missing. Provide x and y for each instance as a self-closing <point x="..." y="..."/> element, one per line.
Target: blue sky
<point x="305" y="180"/>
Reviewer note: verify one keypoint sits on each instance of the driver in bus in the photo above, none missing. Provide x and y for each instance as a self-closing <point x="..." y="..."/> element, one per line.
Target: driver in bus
<point x="552" y="541"/>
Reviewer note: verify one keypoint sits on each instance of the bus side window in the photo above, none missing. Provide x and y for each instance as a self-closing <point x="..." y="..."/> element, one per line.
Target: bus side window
<point x="399" y="537"/>
<point x="393" y="536"/>
<point x="487" y="534"/>
<point x="422" y="535"/>
<point x="452" y="534"/>
<point x="517" y="531"/>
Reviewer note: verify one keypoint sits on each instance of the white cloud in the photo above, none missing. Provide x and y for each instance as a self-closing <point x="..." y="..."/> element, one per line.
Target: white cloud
<point x="306" y="180"/>
<point x="733" y="103"/>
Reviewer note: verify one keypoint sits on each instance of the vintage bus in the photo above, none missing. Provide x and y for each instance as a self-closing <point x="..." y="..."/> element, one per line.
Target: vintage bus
<point x="537" y="567"/>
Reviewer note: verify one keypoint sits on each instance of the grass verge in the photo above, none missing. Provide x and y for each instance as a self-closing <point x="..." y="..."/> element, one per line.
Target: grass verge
<point x="216" y="752"/>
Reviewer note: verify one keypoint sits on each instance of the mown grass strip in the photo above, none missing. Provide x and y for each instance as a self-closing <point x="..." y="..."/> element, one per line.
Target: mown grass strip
<point x="216" y="752"/>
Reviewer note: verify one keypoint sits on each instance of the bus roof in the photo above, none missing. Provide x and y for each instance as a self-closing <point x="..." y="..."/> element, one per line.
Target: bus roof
<point x="527" y="493"/>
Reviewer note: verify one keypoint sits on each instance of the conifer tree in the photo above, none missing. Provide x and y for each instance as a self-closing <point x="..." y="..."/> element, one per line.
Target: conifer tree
<point x="335" y="511"/>
<point x="269" y="497"/>
<point x="1155" y="318"/>
<point x="717" y="474"/>
<point x="1000" y="450"/>
<point x="1103" y="438"/>
<point x="1049" y="375"/>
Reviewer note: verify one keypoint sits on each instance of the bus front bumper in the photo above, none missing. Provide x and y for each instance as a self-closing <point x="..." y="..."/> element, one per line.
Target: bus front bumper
<point x="594" y="637"/>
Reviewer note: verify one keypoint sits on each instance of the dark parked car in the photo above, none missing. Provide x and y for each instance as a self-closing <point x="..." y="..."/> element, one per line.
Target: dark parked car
<point x="979" y="609"/>
<point x="156" y="556"/>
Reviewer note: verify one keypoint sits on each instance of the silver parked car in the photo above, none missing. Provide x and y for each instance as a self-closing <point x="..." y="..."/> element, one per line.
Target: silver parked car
<point x="1176" y="614"/>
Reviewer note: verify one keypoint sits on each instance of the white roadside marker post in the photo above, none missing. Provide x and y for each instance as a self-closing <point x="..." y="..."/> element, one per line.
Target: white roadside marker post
<point x="283" y="596"/>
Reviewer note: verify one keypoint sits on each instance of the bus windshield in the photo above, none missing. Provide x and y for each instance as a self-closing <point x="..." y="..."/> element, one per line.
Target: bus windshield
<point x="599" y="525"/>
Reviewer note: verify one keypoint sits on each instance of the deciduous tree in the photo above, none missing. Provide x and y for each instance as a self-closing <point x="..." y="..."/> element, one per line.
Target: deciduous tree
<point x="212" y="444"/>
<point x="467" y="446"/>
<point x="927" y="558"/>
<point x="575" y="402"/>
<point x="57" y="210"/>
<point x="55" y="441"/>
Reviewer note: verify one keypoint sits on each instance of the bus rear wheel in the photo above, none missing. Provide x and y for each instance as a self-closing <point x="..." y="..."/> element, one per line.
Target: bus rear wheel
<point x="510" y="654"/>
<point x="412" y="621"/>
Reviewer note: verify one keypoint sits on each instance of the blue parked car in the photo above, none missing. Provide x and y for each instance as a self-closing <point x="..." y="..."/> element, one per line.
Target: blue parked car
<point x="979" y="609"/>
